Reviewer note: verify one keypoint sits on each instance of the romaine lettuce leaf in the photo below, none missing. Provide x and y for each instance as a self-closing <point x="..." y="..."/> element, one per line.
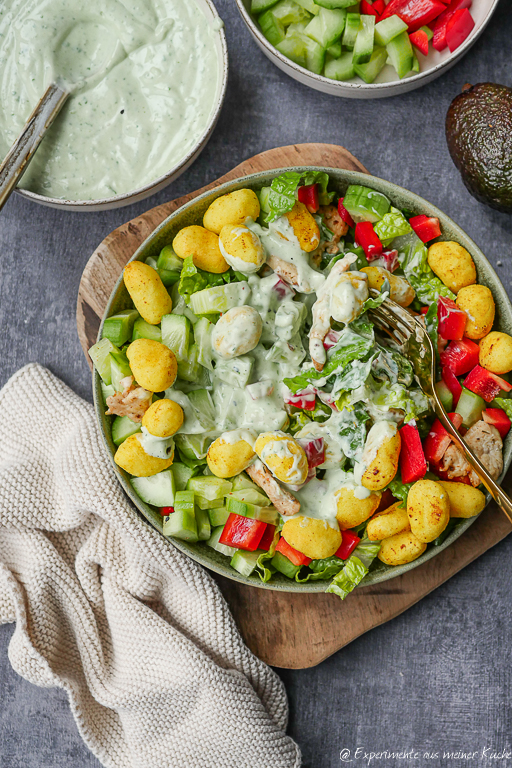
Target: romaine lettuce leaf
<point x="193" y="279"/>
<point x="400" y="490"/>
<point x="355" y="569"/>
<point x="505" y="404"/>
<point x="262" y="570"/>
<point x="381" y="396"/>
<point x="393" y="224"/>
<point x="393" y="366"/>
<point x="428" y="287"/>
<point x="353" y="376"/>
<point x="320" y="570"/>
<point x="282" y="197"/>
<point x="353" y="428"/>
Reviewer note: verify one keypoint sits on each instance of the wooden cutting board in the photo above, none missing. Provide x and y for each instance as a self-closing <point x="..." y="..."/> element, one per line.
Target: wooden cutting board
<point x="293" y="631"/>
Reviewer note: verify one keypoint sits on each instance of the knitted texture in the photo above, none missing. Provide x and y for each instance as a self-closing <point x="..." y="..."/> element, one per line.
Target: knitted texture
<point x="136" y="633"/>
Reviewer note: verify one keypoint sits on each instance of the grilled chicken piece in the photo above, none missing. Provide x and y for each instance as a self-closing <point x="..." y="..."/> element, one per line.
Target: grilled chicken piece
<point x="486" y="443"/>
<point x="282" y="500"/>
<point x="132" y="401"/>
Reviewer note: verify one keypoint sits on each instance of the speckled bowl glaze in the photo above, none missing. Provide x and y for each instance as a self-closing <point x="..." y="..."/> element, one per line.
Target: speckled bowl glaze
<point x="173" y="173"/>
<point x="192" y="213"/>
<point x="387" y="83"/>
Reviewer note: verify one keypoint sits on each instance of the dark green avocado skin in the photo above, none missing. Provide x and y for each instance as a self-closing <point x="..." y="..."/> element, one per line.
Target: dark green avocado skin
<point x="479" y="136"/>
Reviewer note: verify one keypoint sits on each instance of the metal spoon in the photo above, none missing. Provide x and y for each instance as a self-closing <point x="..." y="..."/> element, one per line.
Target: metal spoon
<point x="24" y="148"/>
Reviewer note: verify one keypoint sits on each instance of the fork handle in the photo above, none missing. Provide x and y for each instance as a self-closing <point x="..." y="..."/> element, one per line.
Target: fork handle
<point x="500" y="497"/>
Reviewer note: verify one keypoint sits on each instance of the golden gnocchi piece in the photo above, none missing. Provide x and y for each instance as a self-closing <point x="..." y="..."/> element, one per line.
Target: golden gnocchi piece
<point x="163" y="418"/>
<point x="203" y="246"/>
<point x="233" y="208"/>
<point x="241" y="248"/>
<point x="388" y="523"/>
<point x="147" y="291"/>
<point x="381" y="454"/>
<point x="401" y="548"/>
<point x="153" y="364"/>
<point x="401" y="290"/>
<point x="132" y="457"/>
<point x="352" y="511"/>
<point x="313" y="537"/>
<point x="453" y="265"/>
<point x="284" y="457"/>
<point x="465" y="501"/>
<point x="237" y="332"/>
<point x="304" y="226"/>
<point x="227" y="458"/>
<point x="496" y="352"/>
<point x="478" y="303"/>
<point x="428" y="509"/>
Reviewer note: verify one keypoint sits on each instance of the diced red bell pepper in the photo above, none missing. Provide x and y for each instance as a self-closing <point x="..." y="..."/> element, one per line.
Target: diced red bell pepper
<point x="459" y="28"/>
<point x="344" y="214"/>
<point x="379" y="6"/>
<point x="296" y="557"/>
<point x="368" y="9"/>
<point x="420" y="40"/>
<point x="386" y="500"/>
<point x="441" y="23"/>
<point x="304" y="399"/>
<point x="426" y="227"/>
<point x="497" y="418"/>
<point x="424" y="310"/>
<point x="486" y="384"/>
<point x="368" y="239"/>
<point x="390" y="260"/>
<point x="460" y="356"/>
<point x="283" y="290"/>
<point x="308" y="195"/>
<point x="267" y="538"/>
<point x="314" y="448"/>
<point x="332" y="339"/>
<point x="242" y="532"/>
<point x="452" y="319"/>
<point x="165" y="511"/>
<point x="452" y="383"/>
<point x="438" y="439"/>
<point x="413" y="465"/>
<point x="349" y="542"/>
<point x="415" y="13"/>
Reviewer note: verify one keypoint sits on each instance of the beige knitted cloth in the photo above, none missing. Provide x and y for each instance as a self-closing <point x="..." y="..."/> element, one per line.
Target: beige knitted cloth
<point x="137" y="634"/>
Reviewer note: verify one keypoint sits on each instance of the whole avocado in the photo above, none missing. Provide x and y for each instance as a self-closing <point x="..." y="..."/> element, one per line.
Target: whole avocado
<point x="479" y="136"/>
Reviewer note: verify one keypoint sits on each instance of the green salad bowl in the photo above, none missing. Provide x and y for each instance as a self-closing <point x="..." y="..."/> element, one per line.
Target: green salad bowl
<point x="192" y="213"/>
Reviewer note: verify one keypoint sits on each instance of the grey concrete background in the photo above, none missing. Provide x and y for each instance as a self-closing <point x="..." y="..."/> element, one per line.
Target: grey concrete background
<point x="437" y="678"/>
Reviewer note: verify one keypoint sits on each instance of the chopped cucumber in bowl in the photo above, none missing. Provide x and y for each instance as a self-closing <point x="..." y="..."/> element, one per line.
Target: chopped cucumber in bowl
<point x="231" y="388"/>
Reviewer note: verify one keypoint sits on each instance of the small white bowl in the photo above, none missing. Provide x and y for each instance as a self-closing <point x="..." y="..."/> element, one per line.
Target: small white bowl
<point x="155" y="186"/>
<point x="387" y="84"/>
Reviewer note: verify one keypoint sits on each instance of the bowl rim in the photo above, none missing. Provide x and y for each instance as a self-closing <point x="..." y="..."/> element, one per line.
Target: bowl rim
<point x="150" y="516"/>
<point x="381" y="88"/>
<point x="127" y="198"/>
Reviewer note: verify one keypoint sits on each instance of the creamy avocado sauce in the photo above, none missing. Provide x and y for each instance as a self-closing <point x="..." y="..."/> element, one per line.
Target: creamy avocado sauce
<point x="144" y="77"/>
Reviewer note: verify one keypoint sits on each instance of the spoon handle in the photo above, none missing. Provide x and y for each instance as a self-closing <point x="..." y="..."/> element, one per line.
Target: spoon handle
<point x="23" y="149"/>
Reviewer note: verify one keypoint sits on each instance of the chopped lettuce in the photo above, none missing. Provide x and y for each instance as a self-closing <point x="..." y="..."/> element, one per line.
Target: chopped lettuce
<point x="393" y="366"/>
<point x="282" y="195"/>
<point x="393" y="224"/>
<point x="353" y="376"/>
<point x="504" y="403"/>
<point x="355" y="569"/>
<point x="374" y="303"/>
<point x="400" y="490"/>
<point x="265" y="573"/>
<point x="381" y="396"/>
<point x="353" y="429"/>
<point x="321" y="570"/>
<point x="428" y="287"/>
<point x="193" y="279"/>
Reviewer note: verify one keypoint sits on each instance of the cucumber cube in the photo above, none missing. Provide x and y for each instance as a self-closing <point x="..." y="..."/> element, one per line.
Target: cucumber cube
<point x="258" y="6"/>
<point x="218" y="516"/>
<point x="284" y="566"/>
<point x="470" y="407"/>
<point x="120" y="369"/>
<point x="335" y="3"/>
<point x="182" y="525"/>
<point x="341" y="68"/>
<point x="202" y="405"/>
<point x="334" y="50"/>
<point x="123" y="427"/>
<point x="294" y="48"/>
<point x="157" y="490"/>
<point x="176" y="335"/>
<point x="118" y="328"/>
<point x="168" y="260"/>
<point x="143" y="330"/>
<point x="184" y="500"/>
<point x="192" y="446"/>
<point x="389" y="28"/>
<point x="315" y="56"/>
<point x="107" y="390"/>
<point x="273" y="30"/>
<point x="365" y="204"/>
<point x="206" y="504"/>
<point x="263" y="196"/>
<point x="182" y="475"/>
<point x="289" y="12"/>
<point x="236" y="372"/>
<point x="245" y="562"/>
<point x="211" y="488"/>
<point x="241" y="482"/>
<point x="250" y="496"/>
<point x="220" y="298"/>
<point x="264" y="514"/>
<point x="363" y="47"/>
<point x="204" y="529"/>
<point x="401" y="54"/>
<point x="189" y="369"/>
<point x="351" y="30"/>
<point x="327" y="27"/>
<point x="369" y="72"/>
<point x="203" y="338"/>
<point x="415" y="62"/>
<point x="100" y="356"/>
<point x="444" y="395"/>
<point x="213" y="542"/>
<point x="309" y="5"/>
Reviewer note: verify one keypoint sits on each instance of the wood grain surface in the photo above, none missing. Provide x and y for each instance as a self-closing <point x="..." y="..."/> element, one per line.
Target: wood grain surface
<point x="292" y="631"/>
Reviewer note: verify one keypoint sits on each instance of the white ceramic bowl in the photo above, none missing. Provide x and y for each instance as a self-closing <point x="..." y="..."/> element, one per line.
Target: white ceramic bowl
<point x="155" y="186"/>
<point x="387" y="83"/>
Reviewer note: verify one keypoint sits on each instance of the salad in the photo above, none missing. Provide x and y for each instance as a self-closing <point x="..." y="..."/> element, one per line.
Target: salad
<point x="259" y="411"/>
<point x="342" y="39"/>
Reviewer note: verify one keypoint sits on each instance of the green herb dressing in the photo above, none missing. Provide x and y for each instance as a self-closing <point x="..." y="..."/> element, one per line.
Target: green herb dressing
<point x="144" y="77"/>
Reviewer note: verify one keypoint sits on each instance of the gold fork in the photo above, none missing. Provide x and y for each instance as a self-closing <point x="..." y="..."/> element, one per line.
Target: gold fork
<point x="414" y="342"/>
